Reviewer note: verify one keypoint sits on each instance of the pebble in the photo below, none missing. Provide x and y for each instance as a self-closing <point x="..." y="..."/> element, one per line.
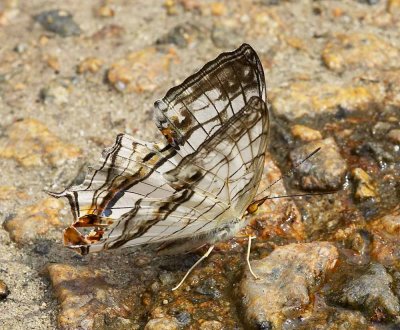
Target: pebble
<point x="208" y="288"/>
<point x="162" y="323"/>
<point x="54" y="93"/>
<point x="30" y="143"/>
<point x="59" y="22"/>
<point x="90" y="64"/>
<point x="377" y="151"/>
<point x="286" y="278"/>
<point x="167" y="278"/>
<point x="4" y="291"/>
<point x="53" y="63"/>
<point x="394" y="136"/>
<point x="211" y="325"/>
<point x="370" y="292"/>
<point x="141" y="71"/>
<point x="305" y="133"/>
<point x="42" y="247"/>
<point x="218" y="9"/>
<point x="358" y="50"/>
<point x="381" y="128"/>
<point x="20" y="48"/>
<point x="34" y="221"/>
<point x="108" y="31"/>
<point x="183" y="318"/>
<point x="393" y="7"/>
<point x="269" y="2"/>
<point x="391" y="222"/>
<point x="365" y="187"/>
<point x="385" y="231"/>
<point x="105" y="11"/>
<point x="323" y="171"/>
<point x="182" y="35"/>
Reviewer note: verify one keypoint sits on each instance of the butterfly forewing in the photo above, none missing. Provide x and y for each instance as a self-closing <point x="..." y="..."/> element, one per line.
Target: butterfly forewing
<point x="216" y="125"/>
<point x="191" y="112"/>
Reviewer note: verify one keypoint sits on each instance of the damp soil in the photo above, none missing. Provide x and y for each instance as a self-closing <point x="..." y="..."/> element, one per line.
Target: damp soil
<point x="41" y="77"/>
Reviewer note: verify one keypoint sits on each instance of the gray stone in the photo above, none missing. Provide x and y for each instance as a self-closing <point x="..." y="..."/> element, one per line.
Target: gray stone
<point x="323" y="171"/>
<point x="59" y="22"/>
<point x="182" y="35"/>
<point x="377" y="151"/>
<point x="209" y="288"/>
<point x="370" y="292"/>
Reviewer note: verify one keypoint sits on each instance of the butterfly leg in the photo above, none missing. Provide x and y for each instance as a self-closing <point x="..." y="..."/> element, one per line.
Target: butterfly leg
<point x="191" y="268"/>
<point x="248" y="257"/>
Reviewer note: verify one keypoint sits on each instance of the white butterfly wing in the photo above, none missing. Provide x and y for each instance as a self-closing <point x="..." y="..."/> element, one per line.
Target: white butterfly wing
<point x="204" y="179"/>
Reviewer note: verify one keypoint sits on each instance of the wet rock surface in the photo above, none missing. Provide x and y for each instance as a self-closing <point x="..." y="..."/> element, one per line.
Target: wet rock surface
<point x="370" y="290"/>
<point x="85" y="297"/>
<point x="286" y="279"/>
<point x="72" y="78"/>
<point x="385" y="245"/>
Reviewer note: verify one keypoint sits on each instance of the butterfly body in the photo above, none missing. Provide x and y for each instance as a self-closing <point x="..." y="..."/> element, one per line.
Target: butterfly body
<point x="195" y="188"/>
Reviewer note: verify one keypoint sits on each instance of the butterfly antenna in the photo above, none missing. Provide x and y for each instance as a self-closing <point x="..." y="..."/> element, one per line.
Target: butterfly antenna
<point x="298" y="195"/>
<point x="290" y="172"/>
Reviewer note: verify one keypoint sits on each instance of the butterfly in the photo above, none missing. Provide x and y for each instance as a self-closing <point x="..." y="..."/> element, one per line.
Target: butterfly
<point x="195" y="187"/>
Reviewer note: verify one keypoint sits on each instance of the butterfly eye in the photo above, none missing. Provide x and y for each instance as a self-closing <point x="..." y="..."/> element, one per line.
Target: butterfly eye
<point x="252" y="208"/>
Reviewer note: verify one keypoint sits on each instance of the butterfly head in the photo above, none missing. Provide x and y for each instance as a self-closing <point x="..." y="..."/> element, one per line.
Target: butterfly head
<point x="252" y="208"/>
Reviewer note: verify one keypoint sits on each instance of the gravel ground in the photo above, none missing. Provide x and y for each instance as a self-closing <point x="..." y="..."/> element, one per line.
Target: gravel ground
<point x="75" y="74"/>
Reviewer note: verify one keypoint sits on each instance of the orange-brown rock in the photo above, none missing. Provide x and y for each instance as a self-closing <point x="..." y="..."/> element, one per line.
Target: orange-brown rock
<point x="386" y="238"/>
<point x="306" y="98"/>
<point x="31" y="143"/>
<point x="90" y="64"/>
<point x="277" y="217"/>
<point x="365" y="187"/>
<point x="35" y="220"/>
<point x="12" y="193"/>
<point x="305" y="133"/>
<point x="85" y="297"/>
